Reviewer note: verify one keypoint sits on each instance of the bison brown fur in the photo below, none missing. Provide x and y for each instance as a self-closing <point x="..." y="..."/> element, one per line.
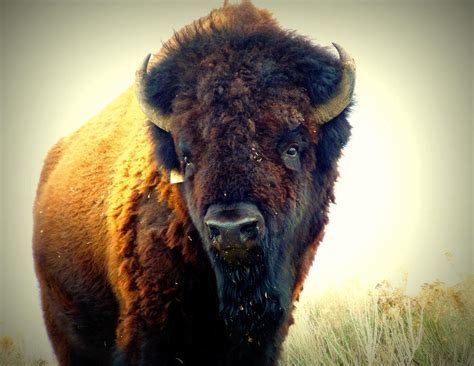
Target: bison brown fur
<point x="135" y="270"/>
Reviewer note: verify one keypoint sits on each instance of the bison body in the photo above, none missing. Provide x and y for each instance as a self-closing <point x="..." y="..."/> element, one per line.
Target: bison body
<point x="177" y="226"/>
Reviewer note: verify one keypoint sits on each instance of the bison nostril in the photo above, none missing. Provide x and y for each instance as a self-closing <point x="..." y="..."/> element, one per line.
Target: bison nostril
<point x="249" y="231"/>
<point x="213" y="232"/>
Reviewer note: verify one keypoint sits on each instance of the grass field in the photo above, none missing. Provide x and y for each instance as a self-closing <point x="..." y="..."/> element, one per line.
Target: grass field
<point x="382" y="326"/>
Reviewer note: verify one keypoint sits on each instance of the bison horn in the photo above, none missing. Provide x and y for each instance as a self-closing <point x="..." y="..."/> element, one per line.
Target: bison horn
<point x="336" y="104"/>
<point x="142" y="91"/>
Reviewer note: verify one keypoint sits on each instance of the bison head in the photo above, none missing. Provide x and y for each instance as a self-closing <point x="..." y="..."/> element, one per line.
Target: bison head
<point x="250" y="120"/>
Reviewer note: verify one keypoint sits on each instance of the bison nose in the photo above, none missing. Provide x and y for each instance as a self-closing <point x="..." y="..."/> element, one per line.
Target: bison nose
<point x="233" y="234"/>
<point x="234" y="227"/>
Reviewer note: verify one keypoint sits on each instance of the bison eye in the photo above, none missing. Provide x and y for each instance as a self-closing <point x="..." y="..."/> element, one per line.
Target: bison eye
<point x="292" y="151"/>
<point x="188" y="166"/>
<point x="291" y="157"/>
<point x="186" y="160"/>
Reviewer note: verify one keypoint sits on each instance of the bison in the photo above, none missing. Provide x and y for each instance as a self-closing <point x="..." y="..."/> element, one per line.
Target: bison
<point x="177" y="226"/>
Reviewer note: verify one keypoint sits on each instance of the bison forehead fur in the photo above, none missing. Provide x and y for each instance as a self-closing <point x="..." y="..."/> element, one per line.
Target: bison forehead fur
<point x="135" y="270"/>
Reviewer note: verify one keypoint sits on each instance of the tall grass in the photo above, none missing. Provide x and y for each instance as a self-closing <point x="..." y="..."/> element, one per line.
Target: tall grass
<point x="384" y="326"/>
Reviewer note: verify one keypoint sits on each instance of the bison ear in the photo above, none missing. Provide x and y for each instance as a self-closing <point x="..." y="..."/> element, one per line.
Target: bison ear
<point x="332" y="138"/>
<point x="165" y="151"/>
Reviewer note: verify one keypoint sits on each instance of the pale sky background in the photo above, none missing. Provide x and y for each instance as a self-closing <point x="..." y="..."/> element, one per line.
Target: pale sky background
<point x="404" y="198"/>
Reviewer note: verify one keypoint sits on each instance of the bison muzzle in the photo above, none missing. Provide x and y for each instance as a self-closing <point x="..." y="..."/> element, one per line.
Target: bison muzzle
<point x="178" y="225"/>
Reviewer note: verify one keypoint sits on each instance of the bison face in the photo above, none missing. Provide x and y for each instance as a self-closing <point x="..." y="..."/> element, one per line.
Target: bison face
<point x="250" y="191"/>
<point x="240" y="119"/>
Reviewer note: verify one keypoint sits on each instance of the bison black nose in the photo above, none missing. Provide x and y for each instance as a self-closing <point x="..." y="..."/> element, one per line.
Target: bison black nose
<point x="234" y="227"/>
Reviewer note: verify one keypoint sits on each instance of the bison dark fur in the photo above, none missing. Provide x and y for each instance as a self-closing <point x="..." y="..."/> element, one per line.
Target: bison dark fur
<point x="130" y="268"/>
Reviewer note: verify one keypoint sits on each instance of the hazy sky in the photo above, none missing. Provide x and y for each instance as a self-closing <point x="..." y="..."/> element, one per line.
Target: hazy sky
<point x="404" y="198"/>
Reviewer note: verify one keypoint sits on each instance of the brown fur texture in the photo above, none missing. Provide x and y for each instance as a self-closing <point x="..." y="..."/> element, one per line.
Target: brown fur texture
<point x="126" y="272"/>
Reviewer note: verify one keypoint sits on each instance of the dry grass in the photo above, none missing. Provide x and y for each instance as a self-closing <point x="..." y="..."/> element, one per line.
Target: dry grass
<point x="385" y="327"/>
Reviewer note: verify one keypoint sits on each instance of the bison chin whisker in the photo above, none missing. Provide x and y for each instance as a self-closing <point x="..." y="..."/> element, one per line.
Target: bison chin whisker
<point x="250" y="303"/>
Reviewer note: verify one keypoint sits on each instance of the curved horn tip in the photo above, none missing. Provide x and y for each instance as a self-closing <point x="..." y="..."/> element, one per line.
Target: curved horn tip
<point x="144" y="64"/>
<point x="343" y="55"/>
